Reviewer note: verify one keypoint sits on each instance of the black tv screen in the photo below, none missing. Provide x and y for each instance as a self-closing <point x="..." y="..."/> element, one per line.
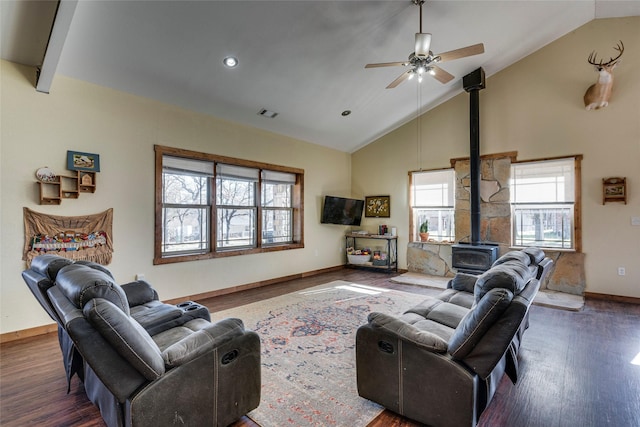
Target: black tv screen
<point x="343" y="211"/>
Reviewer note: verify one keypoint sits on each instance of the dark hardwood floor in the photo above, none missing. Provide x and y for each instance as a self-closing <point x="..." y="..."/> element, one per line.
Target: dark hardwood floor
<point x="575" y="368"/>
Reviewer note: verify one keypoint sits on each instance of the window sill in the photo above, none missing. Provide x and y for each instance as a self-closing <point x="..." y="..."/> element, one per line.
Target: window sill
<point x="225" y="253"/>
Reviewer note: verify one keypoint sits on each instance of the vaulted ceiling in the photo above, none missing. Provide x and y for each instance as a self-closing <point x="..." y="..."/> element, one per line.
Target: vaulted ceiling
<point x="301" y="59"/>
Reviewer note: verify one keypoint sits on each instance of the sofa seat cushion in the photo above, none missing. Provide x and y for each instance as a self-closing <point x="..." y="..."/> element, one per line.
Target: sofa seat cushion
<point x="418" y="333"/>
<point x="462" y="298"/>
<point x="167" y="338"/>
<point x="478" y="321"/>
<point x="439" y="311"/>
<point x="512" y="275"/>
<point x="129" y="339"/>
<point x="202" y="341"/>
<point x="81" y="283"/>
<point x="154" y="313"/>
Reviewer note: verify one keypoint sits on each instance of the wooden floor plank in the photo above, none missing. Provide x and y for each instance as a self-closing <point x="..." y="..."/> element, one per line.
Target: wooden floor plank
<point x="575" y="368"/>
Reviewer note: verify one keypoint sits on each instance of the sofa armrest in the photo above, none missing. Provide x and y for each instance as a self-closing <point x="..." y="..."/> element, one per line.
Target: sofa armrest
<point x="202" y="341"/>
<point x="408" y="332"/>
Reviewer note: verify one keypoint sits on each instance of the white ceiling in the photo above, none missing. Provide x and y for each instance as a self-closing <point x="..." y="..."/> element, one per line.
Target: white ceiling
<point x="302" y="59"/>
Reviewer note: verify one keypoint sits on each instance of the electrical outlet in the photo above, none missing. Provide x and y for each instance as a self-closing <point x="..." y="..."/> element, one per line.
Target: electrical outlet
<point x="635" y="220"/>
<point x="621" y="271"/>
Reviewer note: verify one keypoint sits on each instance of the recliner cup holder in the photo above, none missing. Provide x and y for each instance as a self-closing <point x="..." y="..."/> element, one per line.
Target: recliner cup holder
<point x="189" y="306"/>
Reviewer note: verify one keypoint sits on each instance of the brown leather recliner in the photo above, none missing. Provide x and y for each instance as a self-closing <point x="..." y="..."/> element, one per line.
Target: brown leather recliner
<point x="143" y="362"/>
<point x="440" y="362"/>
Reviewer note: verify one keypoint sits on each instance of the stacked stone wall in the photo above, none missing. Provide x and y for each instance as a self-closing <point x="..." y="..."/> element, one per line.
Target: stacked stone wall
<point x="434" y="258"/>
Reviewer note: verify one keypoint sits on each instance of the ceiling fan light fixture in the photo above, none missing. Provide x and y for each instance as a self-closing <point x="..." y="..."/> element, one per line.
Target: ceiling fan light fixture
<point x="411" y="74"/>
<point x="230" y="62"/>
<point x="432" y="71"/>
<point x="423" y="43"/>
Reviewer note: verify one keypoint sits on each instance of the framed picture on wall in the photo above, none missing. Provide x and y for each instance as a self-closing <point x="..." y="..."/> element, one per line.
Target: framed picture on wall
<point x="77" y="161"/>
<point x="377" y="206"/>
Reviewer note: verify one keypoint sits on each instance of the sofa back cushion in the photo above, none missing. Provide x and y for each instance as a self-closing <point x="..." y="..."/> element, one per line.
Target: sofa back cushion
<point x="512" y="275"/>
<point x="129" y="339"/>
<point x="477" y="321"/>
<point x="139" y="292"/>
<point x="81" y="283"/>
<point x="95" y="265"/>
<point x="463" y="282"/>
<point x="536" y="254"/>
<point x="511" y="256"/>
<point x="49" y="265"/>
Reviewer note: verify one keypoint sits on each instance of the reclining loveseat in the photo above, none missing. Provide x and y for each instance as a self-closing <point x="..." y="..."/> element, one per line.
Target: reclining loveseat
<point x="441" y="361"/>
<point x="144" y="362"/>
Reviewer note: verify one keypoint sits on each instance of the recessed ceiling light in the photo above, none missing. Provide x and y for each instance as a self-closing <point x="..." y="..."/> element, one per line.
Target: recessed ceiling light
<point x="230" y="62"/>
<point x="345" y="113"/>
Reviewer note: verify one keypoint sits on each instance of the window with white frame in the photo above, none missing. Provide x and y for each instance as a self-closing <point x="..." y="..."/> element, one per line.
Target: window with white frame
<point x="432" y="199"/>
<point x="543" y="203"/>
<point x="209" y="206"/>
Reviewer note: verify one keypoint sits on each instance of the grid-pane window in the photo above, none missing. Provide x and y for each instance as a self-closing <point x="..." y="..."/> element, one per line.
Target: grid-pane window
<point x="210" y="206"/>
<point x="277" y="207"/>
<point x="186" y="209"/>
<point x="432" y="200"/>
<point x="543" y="203"/>
<point x="236" y="207"/>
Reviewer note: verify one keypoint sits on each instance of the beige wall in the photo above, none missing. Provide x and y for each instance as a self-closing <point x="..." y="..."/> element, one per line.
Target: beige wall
<point x="535" y="107"/>
<point x="38" y="129"/>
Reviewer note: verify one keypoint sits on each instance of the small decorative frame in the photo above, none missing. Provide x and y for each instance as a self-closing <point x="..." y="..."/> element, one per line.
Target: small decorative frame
<point x="77" y="161"/>
<point x="614" y="190"/>
<point x="377" y="206"/>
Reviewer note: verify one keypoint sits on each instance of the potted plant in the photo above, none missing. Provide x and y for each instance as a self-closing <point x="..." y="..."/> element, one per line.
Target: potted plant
<point x="424" y="231"/>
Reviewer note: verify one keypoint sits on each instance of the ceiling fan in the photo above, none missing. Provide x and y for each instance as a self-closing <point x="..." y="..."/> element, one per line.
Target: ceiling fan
<point x="422" y="60"/>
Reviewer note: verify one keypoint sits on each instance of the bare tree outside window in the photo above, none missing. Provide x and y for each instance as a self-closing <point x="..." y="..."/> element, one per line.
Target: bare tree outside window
<point x="210" y="206"/>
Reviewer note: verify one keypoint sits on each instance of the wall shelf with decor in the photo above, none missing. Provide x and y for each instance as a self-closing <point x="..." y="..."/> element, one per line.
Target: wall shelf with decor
<point x="54" y="188"/>
<point x="614" y="190"/>
<point x="377" y="260"/>
<point x="86" y="181"/>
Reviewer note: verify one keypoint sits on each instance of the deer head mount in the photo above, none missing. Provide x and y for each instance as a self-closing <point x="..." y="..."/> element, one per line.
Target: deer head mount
<point x="597" y="96"/>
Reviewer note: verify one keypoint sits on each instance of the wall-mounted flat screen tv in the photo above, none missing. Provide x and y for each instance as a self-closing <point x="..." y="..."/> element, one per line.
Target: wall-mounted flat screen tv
<point x="343" y="211"/>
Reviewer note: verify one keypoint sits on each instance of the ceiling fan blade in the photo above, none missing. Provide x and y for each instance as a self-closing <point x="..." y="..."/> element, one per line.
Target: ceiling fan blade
<point x="399" y="80"/>
<point x="387" y="64"/>
<point x="441" y="75"/>
<point x="423" y="43"/>
<point x="463" y="52"/>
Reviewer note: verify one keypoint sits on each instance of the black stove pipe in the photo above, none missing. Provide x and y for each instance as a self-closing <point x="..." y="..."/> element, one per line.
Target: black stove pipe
<point x="473" y="83"/>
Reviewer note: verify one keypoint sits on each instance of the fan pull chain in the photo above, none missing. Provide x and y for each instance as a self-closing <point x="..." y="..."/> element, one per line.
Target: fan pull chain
<point x="419" y="127"/>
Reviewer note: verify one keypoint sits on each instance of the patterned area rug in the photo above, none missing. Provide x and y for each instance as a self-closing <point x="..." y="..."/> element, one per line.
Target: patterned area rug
<point x="308" y="352"/>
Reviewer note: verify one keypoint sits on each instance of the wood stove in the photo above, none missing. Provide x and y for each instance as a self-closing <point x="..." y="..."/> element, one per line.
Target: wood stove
<point x="473" y="259"/>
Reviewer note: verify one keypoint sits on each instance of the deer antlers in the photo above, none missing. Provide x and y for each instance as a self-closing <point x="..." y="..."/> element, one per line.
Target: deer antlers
<point x="592" y="57"/>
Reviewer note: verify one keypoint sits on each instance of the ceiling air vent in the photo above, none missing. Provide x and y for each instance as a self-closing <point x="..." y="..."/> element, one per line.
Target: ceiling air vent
<point x="268" y="113"/>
